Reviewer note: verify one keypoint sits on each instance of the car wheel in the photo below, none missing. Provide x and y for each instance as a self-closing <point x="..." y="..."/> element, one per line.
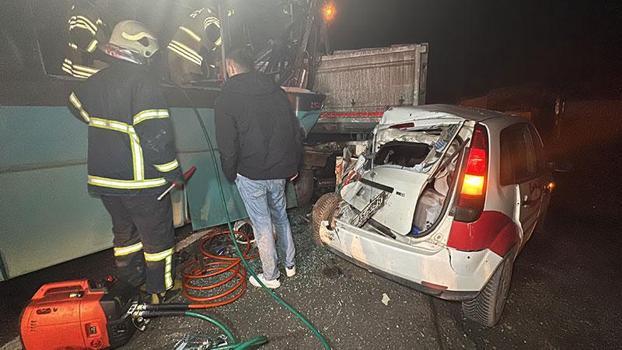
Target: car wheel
<point x="323" y="210"/>
<point x="487" y="307"/>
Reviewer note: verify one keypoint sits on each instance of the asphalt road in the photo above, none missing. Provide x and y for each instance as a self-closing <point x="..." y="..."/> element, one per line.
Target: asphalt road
<point x="564" y="294"/>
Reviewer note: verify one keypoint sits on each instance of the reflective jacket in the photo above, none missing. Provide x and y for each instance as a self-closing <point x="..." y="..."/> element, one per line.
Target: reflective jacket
<point x="86" y="31"/>
<point x="131" y="148"/>
<point x="199" y="31"/>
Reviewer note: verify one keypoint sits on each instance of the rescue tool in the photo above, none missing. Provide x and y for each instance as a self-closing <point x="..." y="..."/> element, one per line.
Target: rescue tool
<point x="81" y="314"/>
<point x="187" y="175"/>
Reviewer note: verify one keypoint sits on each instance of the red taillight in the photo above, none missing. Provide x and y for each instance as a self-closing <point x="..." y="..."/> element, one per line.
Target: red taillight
<point x="473" y="185"/>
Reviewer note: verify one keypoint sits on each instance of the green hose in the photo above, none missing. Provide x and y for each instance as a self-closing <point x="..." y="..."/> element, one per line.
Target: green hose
<point x="278" y="299"/>
<point x="256" y="341"/>
<point x="215" y="322"/>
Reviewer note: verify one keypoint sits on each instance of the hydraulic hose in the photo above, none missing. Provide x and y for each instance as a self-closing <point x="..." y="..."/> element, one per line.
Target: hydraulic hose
<point x="212" y="266"/>
<point x="247" y="266"/>
<point x="215" y="322"/>
<point x="172" y="310"/>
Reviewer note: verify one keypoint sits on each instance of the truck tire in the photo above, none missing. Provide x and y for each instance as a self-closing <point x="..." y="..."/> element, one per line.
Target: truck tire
<point x="323" y="210"/>
<point x="487" y="307"/>
<point x="304" y="187"/>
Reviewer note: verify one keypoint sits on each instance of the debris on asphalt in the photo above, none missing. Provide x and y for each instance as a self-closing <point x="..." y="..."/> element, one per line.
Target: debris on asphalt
<point x="385" y="299"/>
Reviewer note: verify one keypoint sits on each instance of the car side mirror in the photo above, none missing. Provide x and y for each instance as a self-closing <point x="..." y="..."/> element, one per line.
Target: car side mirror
<point x="560" y="166"/>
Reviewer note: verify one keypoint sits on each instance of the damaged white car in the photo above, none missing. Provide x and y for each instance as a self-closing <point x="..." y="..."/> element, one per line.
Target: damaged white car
<point x="444" y="200"/>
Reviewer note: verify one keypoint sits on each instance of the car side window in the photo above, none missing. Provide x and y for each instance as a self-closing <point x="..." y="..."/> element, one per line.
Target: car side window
<point x="538" y="146"/>
<point x="519" y="160"/>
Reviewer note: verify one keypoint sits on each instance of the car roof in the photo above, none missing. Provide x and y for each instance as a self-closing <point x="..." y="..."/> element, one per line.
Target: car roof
<point x="442" y="112"/>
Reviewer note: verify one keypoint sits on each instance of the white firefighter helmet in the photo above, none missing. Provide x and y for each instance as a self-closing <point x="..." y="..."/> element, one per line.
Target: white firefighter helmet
<point x="131" y="41"/>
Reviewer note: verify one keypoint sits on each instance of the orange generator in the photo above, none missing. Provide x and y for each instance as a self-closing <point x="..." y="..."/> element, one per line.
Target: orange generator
<point x="78" y="315"/>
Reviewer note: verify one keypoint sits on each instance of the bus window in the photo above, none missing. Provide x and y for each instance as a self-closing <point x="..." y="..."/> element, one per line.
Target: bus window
<point x="17" y="44"/>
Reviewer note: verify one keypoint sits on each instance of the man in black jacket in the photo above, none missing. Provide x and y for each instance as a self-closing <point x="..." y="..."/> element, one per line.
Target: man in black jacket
<point x="131" y="157"/>
<point x="260" y="147"/>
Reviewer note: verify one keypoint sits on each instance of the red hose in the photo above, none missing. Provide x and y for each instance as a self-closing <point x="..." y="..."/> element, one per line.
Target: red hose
<point x="219" y="270"/>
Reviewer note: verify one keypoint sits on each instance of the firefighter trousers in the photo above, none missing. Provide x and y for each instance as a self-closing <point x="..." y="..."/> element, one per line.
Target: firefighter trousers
<point x="144" y="240"/>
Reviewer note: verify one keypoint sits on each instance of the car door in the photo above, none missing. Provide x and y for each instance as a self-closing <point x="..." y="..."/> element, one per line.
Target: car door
<point x="543" y="177"/>
<point x="522" y="167"/>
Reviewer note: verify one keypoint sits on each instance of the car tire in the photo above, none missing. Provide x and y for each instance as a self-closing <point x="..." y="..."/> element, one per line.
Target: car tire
<point x="323" y="209"/>
<point x="487" y="307"/>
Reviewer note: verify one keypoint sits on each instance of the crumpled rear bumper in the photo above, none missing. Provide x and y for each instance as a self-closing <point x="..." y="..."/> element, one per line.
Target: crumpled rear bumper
<point x="441" y="271"/>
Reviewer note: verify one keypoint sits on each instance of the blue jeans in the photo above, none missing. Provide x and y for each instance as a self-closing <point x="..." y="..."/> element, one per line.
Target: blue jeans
<point x="265" y="204"/>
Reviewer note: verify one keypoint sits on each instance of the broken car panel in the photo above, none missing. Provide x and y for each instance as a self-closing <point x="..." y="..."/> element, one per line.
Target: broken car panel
<point x="445" y="212"/>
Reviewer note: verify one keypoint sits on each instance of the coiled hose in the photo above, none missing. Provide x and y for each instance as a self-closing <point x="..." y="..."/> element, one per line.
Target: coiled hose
<point x="213" y="266"/>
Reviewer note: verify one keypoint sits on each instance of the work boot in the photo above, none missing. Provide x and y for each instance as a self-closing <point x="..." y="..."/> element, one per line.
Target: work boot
<point x="165" y="297"/>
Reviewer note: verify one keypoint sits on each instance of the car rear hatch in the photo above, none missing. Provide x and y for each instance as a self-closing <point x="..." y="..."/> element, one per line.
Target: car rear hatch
<point x="415" y="160"/>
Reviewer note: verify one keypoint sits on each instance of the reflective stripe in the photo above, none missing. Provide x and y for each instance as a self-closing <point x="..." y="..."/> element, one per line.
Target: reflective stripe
<point x="137" y="151"/>
<point x="73" y="46"/>
<point x="78" y="71"/>
<point x="69" y="70"/>
<point x="85" y="69"/>
<point x="185" y="52"/>
<point x="137" y="156"/>
<point x="137" y="36"/>
<point x="150" y="114"/>
<point x="92" y="46"/>
<point x="121" y="251"/>
<point x="170" y="166"/>
<point x="183" y="55"/>
<point x="125" y="184"/>
<point x="82" y="25"/>
<point x="215" y="21"/>
<point x="76" y="103"/>
<point x="184" y="48"/>
<point x="191" y="33"/>
<point x="159" y="256"/>
<point x="87" y="21"/>
<point x="85" y="116"/>
<point x="209" y="21"/>
<point x="82" y="22"/>
<point x="111" y="125"/>
<point x="168" y="275"/>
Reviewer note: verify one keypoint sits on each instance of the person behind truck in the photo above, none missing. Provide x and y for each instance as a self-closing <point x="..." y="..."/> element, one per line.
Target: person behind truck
<point x="85" y="31"/>
<point x="196" y="38"/>
<point x="260" y="146"/>
<point x="131" y="157"/>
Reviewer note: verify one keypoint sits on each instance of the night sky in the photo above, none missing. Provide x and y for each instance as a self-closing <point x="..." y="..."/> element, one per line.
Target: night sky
<point x="574" y="47"/>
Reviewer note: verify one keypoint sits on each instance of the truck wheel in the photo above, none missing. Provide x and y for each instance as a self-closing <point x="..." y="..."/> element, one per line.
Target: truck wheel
<point x="487" y="307"/>
<point x="304" y="187"/>
<point x="323" y="210"/>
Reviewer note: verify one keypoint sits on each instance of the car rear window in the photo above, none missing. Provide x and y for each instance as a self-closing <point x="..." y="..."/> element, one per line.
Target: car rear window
<point x="406" y="154"/>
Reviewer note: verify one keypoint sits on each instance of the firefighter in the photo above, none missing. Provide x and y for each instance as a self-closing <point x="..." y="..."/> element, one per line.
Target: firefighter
<point x="131" y="157"/>
<point x="199" y="36"/>
<point x="86" y="30"/>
